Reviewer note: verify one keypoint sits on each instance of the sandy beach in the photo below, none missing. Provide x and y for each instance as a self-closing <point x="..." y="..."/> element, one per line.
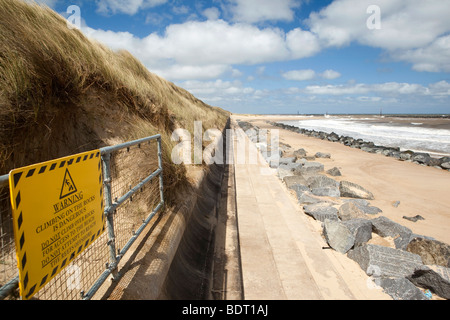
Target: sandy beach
<point x="421" y="190"/>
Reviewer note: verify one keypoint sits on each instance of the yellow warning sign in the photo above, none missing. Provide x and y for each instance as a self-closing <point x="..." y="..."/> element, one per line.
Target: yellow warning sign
<point x="57" y="213"/>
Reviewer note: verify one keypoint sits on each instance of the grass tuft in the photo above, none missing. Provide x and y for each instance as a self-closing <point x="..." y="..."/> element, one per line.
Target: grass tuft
<point x="62" y="93"/>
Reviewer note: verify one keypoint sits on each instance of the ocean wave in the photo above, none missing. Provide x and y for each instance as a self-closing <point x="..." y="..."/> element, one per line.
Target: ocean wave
<point x="403" y="136"/>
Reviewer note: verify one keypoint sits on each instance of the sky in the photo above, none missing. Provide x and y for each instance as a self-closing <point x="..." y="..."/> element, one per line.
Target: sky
<point x="285" y="56"/>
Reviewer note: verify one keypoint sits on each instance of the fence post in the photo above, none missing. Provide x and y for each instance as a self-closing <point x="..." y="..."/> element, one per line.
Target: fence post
<point x="161" y="185"/>
<point x="109" y="212"/>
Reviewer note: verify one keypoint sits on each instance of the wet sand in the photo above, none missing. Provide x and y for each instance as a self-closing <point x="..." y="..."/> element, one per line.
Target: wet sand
<point x="408" y="121"/>
<point x="424" y="122"/>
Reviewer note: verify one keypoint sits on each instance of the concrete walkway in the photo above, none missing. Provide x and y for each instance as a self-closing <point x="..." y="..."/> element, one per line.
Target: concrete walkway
<point x="282" y="256"/>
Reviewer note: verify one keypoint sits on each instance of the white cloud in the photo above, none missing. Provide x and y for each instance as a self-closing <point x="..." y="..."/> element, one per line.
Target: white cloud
<point x="368" y="99"/>
<point x="299" y="75"/>
<point x="115" y="40"/>
<point x="253" y="11"/>
<point x="180" y="10"/>
<point x="260" y="70"/>
<point x="212" y="42"/>
<point x="130" y="7"/>
<point x="441" y="88"/>
<point x="302" y="44"/>
<point x="209" y="44"/>
<point x="49" y="3"/>
<point x="413" y="31"/>
<point x="432" y="58"/>
<point x="309" y="74"/>
<point x="181" y="72"/>
<point x="398" y="88"/>
<point x="219" y="90"/>
<point x="404" y="24"/>
<point x="236" y="95"/>
<point x="330" y="74"/>
<point x="211" y="13"/>
<point x="235" y="73"/>
<point x="337" y="89"/>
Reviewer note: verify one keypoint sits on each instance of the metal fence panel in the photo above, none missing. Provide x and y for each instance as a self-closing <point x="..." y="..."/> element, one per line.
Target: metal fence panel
<point x="131" y="197"/>
<point x="9" y="274"/>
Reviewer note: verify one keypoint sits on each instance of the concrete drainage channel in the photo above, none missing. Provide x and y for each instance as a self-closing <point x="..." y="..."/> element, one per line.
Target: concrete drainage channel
<point x="190" y="271"/>
<point x="206" y="265"/>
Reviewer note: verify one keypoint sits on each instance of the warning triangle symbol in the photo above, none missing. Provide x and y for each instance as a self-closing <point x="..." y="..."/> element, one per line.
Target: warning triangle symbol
<point x="68" y="186"/>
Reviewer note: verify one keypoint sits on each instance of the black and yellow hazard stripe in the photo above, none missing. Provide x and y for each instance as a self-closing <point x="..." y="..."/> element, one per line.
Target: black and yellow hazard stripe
<point x="17" y="179"/>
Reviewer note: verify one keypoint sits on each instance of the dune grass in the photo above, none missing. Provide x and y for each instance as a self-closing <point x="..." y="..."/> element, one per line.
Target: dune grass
<point x="48" y="72"/>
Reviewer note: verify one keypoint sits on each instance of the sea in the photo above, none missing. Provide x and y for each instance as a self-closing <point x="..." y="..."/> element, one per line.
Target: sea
<point x="418" y="133"/>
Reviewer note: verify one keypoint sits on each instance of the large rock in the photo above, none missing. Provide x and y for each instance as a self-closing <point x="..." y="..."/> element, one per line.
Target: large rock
<point x="300" y="153"/>
<point x="370" y="210"/>
<point x="320" y="181"/>
<point x="415" y="218"/>
<point x="310" y="168"/>
<point x="306" y="198"/>
<point x="349" y="211"/>
<point x="325" y="155"/>
<point x="272" y="158"/>
<point x="385" y="227"/>
<point x="326" y="192"/>
<point x="433" y="252"/>
<point x="333" y="137"/>
<point x="287" y="160"/>
<point x="284" y="171"/>
<point x="321" y="185"/>
<point x="382" y="261"/>
<point x="361" y="230"/>
<point x="273" y="161"/>
<point x="434" y="278"/>
<point x="359" y="202"/>
<point x="299" y="189"/>
<point x="338" y="235"/>
<point x="262" y="147"/>
<point x="352" y="190"/>
<point x="302" y="161"/>
<point x="321" y="211"/>
<point x="445" y="160"/>
<point x="400" y="289"/>
<point x="434" y="162"/>
<point x="405" y="156"/>
<point x="287" y="169"/>
<point x="421" y="157"/>
<point x="252" y="134"/>
<point x="291" y="180"/>
<point x="334" y="172"/>
<point x="365" y="206"/>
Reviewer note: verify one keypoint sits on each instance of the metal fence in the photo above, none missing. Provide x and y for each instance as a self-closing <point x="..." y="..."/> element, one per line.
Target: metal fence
<point x="131" y="201"/>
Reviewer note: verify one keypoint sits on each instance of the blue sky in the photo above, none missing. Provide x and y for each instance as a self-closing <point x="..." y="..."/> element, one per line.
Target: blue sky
<point x="286" y="56"/>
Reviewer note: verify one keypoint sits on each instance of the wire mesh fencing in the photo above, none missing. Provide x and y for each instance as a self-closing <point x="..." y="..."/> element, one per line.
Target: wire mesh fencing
<point x="132" y="197"/>
<point x="8" y="263"/>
